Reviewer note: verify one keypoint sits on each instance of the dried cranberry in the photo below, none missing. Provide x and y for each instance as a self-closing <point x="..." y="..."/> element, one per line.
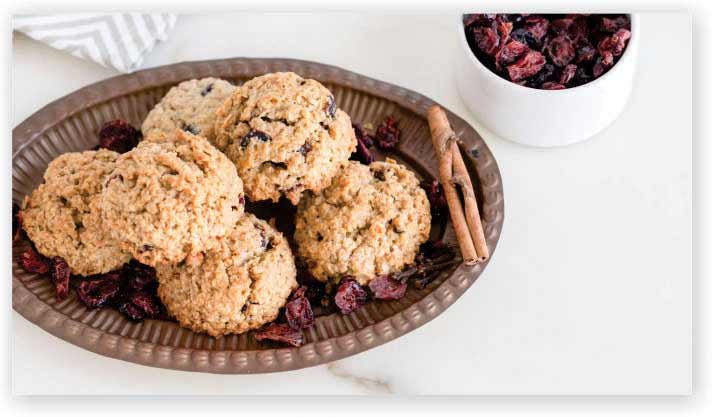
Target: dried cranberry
<point x="16" y="221"/>
<point x="146" y="302"/>
<point x="131" y="311"/>
<point x="207" y="90"/>
<point x="561" y="50"/>
<point x="362" y="135"/>
<point x="32" y="261"/>
<point x="504" y="28"/>
<point x="546" y="74"/>
<point x="479" y="19"/>
<point x="613" y="25"/>
<point x="510" y="52"/>
<point x="578" y="29"/>
<point x="528" y="65"/>
<point x="280" y="332"/>
<point x="254" y="134"/>
<point x="436" y="199"/>
<point x="567" y="74"/>
<point x="139" y="276"/>
<point x="350" y="296"/>
<point x="362" y="154"/>
<point x="524" y="36"/>
<point x="561" y="26"/>
<point x="552" y="86"/>
<point x="598" y="68"/>
<point x="60" y="277"/>
<point x="581" y="76"/>
<point x="96" y="293"/>
<point x="118" y="136"/>
<point x="305" y="148"/>
<point x="331" y="107"/>
<point x="537" y="26"/>
<point x="585" y="52"/>
<point x="192" y="129"/>
<point x="434" y="249"/>
<point x="613" y="45"/>
<point x="299" y="310"/>
<point x="486" y="39"/>
<point x="384" y="287"/>
<point x="387" y="134"/>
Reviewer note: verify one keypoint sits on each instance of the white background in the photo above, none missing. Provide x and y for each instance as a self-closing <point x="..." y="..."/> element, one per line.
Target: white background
<point x="589" y="291"/>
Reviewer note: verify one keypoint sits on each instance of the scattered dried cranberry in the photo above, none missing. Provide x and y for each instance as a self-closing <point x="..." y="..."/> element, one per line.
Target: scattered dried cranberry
<point x="138" y="276"/>
<point x="387" y="134"/>
<point x="384" y="287"/>
<point x="96" y="293"/>
<point x="527" y="66"/>
<point x="131" y="311"/>
<point x="16" y="222"/>
<point x="437" y="199"/>
<point x="32" y="261"/>
<point x="280" y="332"/>
<point x="362" y="153"/>
<point x="146" y="302"/>
<point x="434" y="249"/>
<point x="350" y="296"/>
<point x="536" y="50"/>
<point x="362" y="135"/>
<point x="299" y="310"/>
<point x="118" y="136"/>
<point x="60" y="277"/>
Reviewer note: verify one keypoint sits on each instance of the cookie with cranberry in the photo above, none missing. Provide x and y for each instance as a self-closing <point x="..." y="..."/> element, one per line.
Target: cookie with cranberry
<point x="285" y="135"/>
<point x="189" y="106"/>
<point x="369" y="221"/>
<point x="171" y="197"/>
<point x="62" y="216"/>
<point x="238" y="285"/>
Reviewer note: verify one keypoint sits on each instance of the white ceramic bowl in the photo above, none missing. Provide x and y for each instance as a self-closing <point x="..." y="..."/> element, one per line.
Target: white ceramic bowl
<point x="545" y="117"/>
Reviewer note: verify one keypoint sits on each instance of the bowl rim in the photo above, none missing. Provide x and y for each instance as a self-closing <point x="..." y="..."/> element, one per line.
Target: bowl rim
<point x="626" y="56"/>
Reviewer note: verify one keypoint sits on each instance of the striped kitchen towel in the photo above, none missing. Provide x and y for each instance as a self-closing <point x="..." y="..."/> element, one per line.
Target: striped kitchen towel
<point x="119" y="40"/>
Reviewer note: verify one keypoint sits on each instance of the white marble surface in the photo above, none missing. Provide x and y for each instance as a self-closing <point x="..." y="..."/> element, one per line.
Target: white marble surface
<point x="589" y="291"/>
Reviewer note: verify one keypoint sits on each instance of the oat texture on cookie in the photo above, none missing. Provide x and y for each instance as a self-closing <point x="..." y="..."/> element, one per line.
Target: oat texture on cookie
<point x="238" y="285"/>
<point x="285" y="135"/>
<point x="189" y="106"/>
<point x="171" y="197"/>
<point x="62" y="216"/>
<point x="368" y="222"/>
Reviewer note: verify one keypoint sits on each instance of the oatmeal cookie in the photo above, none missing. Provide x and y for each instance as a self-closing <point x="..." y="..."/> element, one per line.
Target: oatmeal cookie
<point x="62" y="215"/>
<point x="171" y="197"/>
<point x="189" y="106"/>
<point x="370" y="221"/>
<point x="239" y="285"/>
<point x="285" y="135"/>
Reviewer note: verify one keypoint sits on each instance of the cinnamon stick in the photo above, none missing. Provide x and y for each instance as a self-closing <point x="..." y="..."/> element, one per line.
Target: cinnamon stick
<point x="452" y="171"/>
<point x="441" y="133"/>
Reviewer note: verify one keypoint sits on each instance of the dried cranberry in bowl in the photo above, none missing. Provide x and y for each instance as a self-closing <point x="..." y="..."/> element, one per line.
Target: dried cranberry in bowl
<point x="548" y="51"/>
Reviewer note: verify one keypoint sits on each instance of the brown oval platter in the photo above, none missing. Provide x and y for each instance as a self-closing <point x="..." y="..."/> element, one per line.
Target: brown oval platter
<point x="71" y="124"/>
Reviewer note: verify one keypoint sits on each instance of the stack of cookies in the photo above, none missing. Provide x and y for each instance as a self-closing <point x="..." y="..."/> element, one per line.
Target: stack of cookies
<point x="176" y="201"/>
